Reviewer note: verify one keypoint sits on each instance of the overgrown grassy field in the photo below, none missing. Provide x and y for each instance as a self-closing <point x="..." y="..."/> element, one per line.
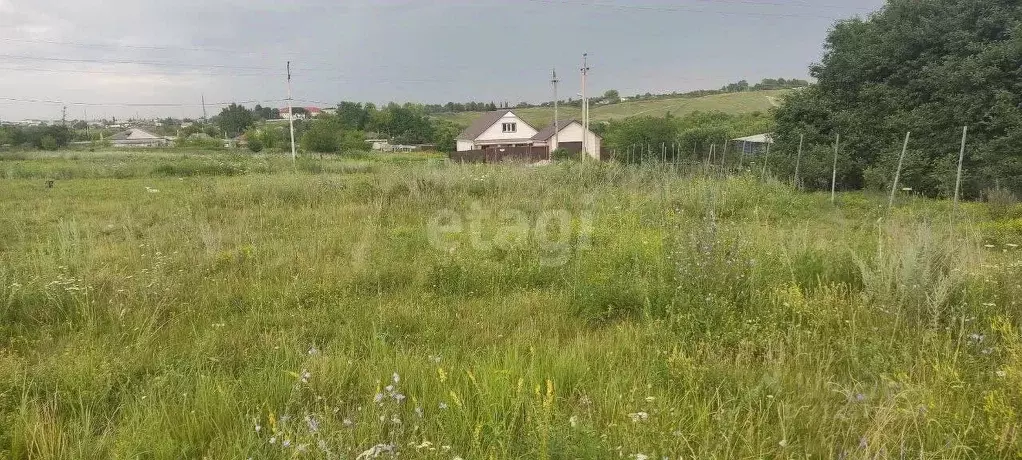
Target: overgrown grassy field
<point x="159" y="306"/>
<point x="733" y="103"/>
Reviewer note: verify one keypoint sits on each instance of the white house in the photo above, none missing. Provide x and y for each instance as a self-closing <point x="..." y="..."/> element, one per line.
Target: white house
<point x="501" y="128"/>
<point x="137" y="138"/>
<point x="568" y="138"/>
<point x="309" y="112"/>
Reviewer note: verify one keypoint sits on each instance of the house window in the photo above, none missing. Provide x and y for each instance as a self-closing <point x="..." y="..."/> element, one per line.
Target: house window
<point x="510" y="127"/>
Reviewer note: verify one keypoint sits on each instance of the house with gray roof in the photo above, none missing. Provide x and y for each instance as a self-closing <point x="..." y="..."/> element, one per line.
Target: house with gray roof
<point x="568" y="135"/>
<point x="501" y="129"/>
<point x="497" y="129"/>
<point x="135" y="137"/>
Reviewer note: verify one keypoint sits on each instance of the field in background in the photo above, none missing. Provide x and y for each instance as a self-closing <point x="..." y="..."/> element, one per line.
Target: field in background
<point x="733" y="103"/>
<point x="168" y="306"/>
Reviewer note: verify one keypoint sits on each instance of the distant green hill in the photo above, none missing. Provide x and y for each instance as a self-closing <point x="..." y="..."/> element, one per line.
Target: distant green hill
<point x="744" y="102"/>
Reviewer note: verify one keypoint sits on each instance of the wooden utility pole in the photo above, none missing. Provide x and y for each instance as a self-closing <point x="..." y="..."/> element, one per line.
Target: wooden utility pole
<point x="766" y="158"/>
<point x="723" y="156"/>
<point x="958" y="178"/>
<point x="798" y="159"/>
<point x="833" y="175"/>
<point x="897" y="172"/>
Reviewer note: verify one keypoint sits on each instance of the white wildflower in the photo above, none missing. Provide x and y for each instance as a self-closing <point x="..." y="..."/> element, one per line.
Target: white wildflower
<point x="397" y="378"/>
<point x="638" y="416"/>
<point x="313" y="424"/>
<point x="375" y="451"/>
<point x="573" y="421"/>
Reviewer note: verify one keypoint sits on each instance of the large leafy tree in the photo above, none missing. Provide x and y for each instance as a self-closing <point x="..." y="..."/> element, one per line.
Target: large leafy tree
<point x="235" y="119"/>
<point x="926" y="66"/>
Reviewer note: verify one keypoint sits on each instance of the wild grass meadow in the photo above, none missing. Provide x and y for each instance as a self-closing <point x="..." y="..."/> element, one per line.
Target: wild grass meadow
<point x="217" y="306"/>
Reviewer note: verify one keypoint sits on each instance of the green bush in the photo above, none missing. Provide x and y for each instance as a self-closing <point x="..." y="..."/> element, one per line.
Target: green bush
<point x="353" y="141"/>
<point x="255" y="145"/>
<point x="562" y="154"/>
<point x="48" y="143"/>
<point x="321" y="138"/>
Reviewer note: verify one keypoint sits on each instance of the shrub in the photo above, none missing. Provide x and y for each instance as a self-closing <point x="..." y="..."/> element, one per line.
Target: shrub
<point x="1001" y="202"/>
<point x="353" y="141"/>
<point x="321" y="138"/>
<point x="562" y="154"/>
<point x="48" y="143"/>
<point x="255" y="145"/>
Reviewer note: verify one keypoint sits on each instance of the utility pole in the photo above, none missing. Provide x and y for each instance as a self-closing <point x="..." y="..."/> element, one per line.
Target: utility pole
<point x="958" y="178"/>
<point x="87" y="133"/>
<point x="833" y="175"/>
<point x="291" y="117"/>
<point x="63" y="117"/>
<point x="585" y="106"/>
<point x="203" y="109"/>
<point x="557" y="123"/>
<point x="897" y="172"/>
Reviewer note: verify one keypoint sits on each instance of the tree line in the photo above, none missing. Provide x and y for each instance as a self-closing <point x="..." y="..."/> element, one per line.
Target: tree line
<point x="928" y="67"/>
<point x="36" y="137"/>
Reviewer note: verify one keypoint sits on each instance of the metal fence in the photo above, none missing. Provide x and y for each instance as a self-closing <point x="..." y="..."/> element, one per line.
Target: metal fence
<point x="497" y="155"/>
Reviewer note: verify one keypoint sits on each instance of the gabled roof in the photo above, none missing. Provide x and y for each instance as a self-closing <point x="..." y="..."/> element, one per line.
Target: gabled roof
<point x="481" y="124"/>
<point x="766" y="138"/>
<point x="548" y="132"/>
<point x="134" y="134"/>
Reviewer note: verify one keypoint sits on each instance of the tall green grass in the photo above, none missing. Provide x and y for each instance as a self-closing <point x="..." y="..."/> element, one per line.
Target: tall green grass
<point x="280" y="314"/>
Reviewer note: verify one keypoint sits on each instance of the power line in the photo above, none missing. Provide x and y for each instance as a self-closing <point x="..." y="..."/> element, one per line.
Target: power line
<point x="124" y="46"/>
<point x="685" y="9"/>
<point x="267" y="71"/>
<point x="111" y="72"/>
<point x="131" y="104"/>
<point x="129" y="61"/>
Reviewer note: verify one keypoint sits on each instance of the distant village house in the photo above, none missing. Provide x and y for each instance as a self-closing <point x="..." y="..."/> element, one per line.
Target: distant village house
<point x="301" y="113"/>
<point x="502" y="130"/>
<point x="135" y="137"/>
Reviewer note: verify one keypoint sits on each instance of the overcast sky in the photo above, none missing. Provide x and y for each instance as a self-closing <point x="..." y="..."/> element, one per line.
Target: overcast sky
<point x="101" y="56"/>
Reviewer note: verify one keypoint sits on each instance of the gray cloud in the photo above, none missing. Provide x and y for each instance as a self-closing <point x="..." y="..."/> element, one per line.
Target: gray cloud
<point x="120" y="51"/>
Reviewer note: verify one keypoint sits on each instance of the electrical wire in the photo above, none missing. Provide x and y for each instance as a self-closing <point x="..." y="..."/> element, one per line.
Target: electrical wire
<point x="683" y="9"/>
<point x="133" y="104"/>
